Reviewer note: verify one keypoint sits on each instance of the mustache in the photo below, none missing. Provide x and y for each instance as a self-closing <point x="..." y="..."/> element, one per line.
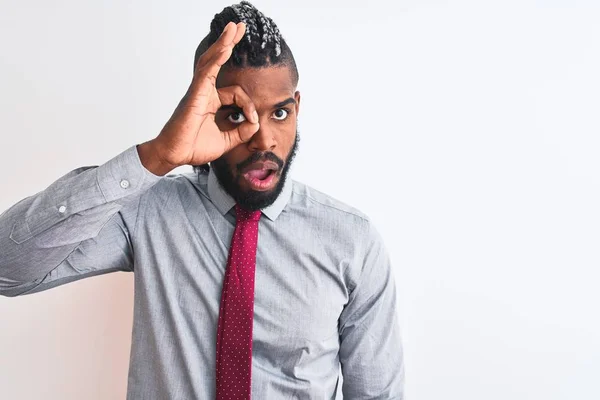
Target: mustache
<point x="255" y="157"/>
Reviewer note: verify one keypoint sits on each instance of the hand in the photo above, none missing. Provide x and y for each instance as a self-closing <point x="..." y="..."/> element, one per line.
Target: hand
<point x="191" y="136"/>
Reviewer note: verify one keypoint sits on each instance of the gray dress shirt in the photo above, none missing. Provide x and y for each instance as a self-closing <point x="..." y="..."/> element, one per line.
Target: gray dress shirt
<point x="325" y="311"/>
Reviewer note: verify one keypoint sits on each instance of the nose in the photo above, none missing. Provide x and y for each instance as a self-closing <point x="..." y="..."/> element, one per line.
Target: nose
<point x="262" y="140"/>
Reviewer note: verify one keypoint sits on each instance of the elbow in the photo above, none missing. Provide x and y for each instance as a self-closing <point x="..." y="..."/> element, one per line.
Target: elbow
<point x="12" y="288"/>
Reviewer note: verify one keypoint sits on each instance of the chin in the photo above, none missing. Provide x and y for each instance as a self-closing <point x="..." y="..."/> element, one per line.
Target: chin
<point x="251" y="199"/>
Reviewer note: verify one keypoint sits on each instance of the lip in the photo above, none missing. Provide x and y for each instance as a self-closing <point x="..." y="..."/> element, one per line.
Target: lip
<point x="261" y="185"/>
<point x="261" y="165"/>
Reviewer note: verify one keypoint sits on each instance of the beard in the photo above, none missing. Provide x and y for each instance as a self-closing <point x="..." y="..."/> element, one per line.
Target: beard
<point x="250" y="199"/>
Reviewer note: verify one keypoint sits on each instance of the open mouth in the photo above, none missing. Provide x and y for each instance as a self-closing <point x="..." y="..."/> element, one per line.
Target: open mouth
<point x="260" y="179"/>
<point x="260" y="174"/>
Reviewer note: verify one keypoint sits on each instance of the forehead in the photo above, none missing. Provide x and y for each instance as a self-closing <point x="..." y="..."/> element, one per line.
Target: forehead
<point x="266" y="84"/>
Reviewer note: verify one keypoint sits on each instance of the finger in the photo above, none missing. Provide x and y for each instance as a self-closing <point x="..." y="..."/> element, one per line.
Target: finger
<point x="235" y="95"/>
<point x="241" y="29"/>
<point x="240" y="134"/>
<point x="223" y="52"/>
<point x="220" y="51"/>
<point x="210" y="62"/>
<point x="209" y="53"/>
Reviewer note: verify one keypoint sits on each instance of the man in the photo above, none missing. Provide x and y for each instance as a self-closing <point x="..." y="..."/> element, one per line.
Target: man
<point x="247" y="283"/>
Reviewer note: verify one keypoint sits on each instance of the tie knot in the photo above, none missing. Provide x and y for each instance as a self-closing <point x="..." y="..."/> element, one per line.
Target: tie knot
<point x="245" y="215"/>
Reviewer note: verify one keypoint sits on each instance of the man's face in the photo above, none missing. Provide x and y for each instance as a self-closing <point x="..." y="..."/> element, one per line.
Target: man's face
<point x="253" y="173"/>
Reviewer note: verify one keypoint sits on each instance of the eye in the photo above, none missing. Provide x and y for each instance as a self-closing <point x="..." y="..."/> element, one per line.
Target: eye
<point x="236" y="117"/>
<point x="281" y="114"/>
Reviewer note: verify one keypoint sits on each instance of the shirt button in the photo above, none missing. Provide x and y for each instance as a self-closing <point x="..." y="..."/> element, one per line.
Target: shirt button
<point x="124" y="183"/>
<point x="62" y="209"/>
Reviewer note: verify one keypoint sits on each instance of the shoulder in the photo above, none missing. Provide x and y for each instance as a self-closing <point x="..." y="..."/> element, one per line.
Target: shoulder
<point x="320" y="200"/>
<point x="341" y="229"/>
<point x="328" y="210"/>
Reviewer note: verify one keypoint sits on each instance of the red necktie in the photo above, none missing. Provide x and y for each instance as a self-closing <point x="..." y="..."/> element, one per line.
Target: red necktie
<point x="234" y="332"/>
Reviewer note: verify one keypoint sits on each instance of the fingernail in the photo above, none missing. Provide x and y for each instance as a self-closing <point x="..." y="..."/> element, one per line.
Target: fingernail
<point x="224" y="29"/>
<point x="255" y="116"/>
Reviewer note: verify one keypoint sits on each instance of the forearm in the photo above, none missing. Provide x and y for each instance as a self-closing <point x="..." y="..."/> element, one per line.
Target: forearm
<point x="39" y="232"/>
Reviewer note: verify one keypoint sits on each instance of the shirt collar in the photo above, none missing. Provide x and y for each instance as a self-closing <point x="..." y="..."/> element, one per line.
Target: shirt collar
<point x="224" y="202"/>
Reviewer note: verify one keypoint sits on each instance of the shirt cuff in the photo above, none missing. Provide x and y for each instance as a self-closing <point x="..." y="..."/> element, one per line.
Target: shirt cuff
<point x="124" y="175"/>
<point x="82" y="189"/>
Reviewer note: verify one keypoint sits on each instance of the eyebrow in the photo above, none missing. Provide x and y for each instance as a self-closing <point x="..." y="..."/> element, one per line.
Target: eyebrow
<point x="291" y="100"/>
<point x="233" y="107"/>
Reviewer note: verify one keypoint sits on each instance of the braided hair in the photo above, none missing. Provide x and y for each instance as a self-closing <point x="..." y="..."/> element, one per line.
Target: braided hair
<point x="262" y="45"/>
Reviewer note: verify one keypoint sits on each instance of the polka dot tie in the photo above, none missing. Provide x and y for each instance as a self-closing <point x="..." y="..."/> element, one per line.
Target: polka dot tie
<point x="234" y="331"/>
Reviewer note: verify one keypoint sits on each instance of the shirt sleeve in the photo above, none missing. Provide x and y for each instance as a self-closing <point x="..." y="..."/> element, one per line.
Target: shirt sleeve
<point x="77" y="227"/>
<point x="371" y="353"/>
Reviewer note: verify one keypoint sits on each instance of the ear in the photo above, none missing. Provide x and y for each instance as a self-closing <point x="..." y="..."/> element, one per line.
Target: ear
<point x="297" y="97"/>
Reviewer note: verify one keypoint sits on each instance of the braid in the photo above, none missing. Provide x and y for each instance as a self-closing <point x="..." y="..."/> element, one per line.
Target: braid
<point x="262" y="45"/>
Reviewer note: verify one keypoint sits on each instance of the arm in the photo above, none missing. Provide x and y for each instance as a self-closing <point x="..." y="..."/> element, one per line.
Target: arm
<point x="370" y="347"/>
<point x="80" y="225"/>
<point x="77" y="227"/>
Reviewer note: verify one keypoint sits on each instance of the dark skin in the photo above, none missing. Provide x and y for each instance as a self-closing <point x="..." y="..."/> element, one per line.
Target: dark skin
<point x="196" y="135"/>
<point x="277" y="102"/>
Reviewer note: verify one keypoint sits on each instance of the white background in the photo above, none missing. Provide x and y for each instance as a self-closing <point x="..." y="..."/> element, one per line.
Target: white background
<point x="468" y="130"/>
